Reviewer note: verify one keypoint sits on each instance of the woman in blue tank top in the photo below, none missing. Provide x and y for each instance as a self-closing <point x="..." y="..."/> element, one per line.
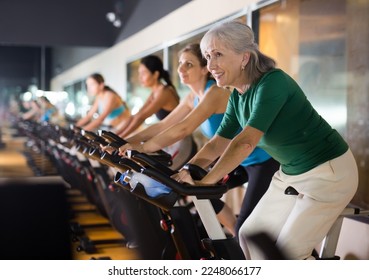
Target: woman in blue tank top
<point x="204" y="107"/>
<point x="109" y="106"/>
<point x="49" y="112"/>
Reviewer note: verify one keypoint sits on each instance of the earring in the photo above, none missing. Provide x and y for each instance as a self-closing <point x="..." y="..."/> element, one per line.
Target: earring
<point x="243" y="67"/>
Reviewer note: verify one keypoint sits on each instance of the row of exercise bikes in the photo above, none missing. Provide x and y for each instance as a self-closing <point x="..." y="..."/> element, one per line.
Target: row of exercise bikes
<point x="165" y="218"/>
<point x="141" y="200"/>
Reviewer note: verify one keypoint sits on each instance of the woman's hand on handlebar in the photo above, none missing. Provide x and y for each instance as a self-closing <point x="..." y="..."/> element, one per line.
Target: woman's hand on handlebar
<point x="131" y="146"/>
<point x="108" y="149"/>
<point x="183" y="176"/>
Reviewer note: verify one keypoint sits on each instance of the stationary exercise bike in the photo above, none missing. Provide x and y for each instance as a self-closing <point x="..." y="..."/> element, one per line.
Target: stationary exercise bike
<point x="329" y="244"/>
<point x="185" y="234"/>
<point x="139" y="216"/>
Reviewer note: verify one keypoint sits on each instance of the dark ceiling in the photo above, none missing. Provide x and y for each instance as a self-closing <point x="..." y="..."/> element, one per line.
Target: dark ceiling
<point x="61" y="22"/>
<point x="76" y="23"/>
<point x="35" y="35"/>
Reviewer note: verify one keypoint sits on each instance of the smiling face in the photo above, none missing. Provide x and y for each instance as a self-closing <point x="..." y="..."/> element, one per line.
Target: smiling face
<point x="225" y="65"/>
<point x="189" y="69"/>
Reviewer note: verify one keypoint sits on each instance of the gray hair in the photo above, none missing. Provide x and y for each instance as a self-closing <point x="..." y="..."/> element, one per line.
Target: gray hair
<point x="240" y="38"/>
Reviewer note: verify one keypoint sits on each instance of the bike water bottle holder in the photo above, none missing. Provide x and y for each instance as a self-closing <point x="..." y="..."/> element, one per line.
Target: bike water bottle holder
<point x="164" y="201"/>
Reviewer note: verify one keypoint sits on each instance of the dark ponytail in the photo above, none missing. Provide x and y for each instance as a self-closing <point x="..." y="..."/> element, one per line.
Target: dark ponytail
<point x="154" y="63"/>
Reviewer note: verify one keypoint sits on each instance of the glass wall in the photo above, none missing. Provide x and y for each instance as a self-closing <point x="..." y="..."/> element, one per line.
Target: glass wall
<point x="79" y="101"/>
<point x="323" y="45"/>
<point x="307" y="39"/>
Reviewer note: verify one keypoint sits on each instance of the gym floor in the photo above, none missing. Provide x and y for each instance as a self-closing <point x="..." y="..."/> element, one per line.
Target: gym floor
<point x="13" y="164"/>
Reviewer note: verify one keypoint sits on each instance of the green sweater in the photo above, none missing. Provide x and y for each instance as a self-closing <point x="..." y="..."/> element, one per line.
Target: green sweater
<point x="294" y="133"/>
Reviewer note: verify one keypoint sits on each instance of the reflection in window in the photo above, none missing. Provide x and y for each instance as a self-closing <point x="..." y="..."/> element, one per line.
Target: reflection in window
<point x="78" y="102"/>
<point x="323" y="45"/>
<point x="307" y="39"/>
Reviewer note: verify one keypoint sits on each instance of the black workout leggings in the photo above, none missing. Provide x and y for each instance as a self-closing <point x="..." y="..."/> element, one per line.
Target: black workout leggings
<point x="258" y="177"/>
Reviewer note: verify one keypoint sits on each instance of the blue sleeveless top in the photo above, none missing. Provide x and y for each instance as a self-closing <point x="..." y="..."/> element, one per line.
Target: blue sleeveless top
<point x="210" y="126"/>
<point x="113" y="114"/>
<point x="46" y="117"/>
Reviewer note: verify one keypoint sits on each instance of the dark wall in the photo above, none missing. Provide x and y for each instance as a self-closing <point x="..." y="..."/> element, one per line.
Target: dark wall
<point x="34" y="219"/>
<point x="23" y="66"/>
<point x="63" y="58"/>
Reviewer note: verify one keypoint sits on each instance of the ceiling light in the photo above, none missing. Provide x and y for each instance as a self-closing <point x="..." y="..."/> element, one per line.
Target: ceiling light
<point x="117" y="23"/>
<point x="111" y="17"/>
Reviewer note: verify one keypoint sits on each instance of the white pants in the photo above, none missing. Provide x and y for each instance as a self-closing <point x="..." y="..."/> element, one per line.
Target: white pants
<point x="300" y="222"/>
